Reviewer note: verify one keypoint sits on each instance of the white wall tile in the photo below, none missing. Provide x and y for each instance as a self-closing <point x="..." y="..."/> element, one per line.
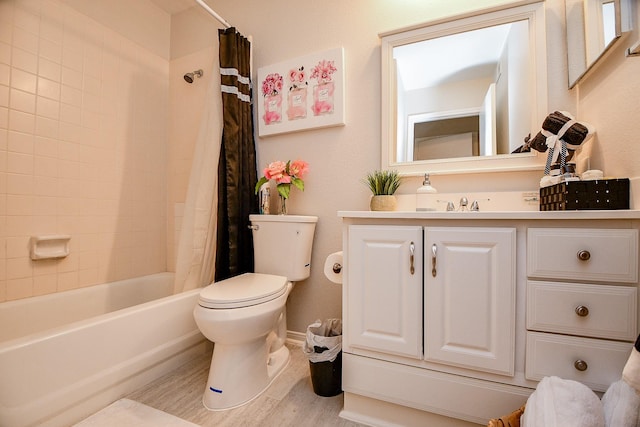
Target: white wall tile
<point x="83" y="117"/>
<point x="71" y="77"/>
<point x="71" y="95"/>
<point x="48" y="89"/>
<point x="23" y="60"/>
<point x="22" y="101"/>
<point x="19" y="163"/>
<point x="23" y="81"/>
<point x="22" y="122"/>
<point x="4" y="96"/>
<point x="51" y="50"/>
<point x="27" y="16"/>
<point x="48" y="109"/>
<point x="25" y="40"/>
<point x="19" y="142"/>
<point x="5" y="53"/>
<point x="46" y="127"/>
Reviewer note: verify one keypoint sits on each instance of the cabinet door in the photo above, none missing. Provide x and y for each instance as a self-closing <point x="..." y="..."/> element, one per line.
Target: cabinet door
<point x="384" y="292"/>
<point x="470" y="297"/>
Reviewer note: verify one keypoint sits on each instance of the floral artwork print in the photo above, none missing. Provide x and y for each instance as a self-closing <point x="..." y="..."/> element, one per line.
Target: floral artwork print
<point x="271" y="90"/>
<point x="323" y="71"/>
<point x="297" y="98"/>
<point x="324" y="90"/>
<point x="272" y="84"/>
<point x="302" y="93"/>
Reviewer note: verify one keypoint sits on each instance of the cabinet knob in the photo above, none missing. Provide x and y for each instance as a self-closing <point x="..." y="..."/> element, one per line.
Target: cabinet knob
<point x="582" y="311"/>
<point x="580" y="365"/>
<point x="584" y="255"/>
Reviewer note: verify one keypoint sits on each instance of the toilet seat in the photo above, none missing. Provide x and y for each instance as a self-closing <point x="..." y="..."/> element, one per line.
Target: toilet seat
<point x="243" y="291"/>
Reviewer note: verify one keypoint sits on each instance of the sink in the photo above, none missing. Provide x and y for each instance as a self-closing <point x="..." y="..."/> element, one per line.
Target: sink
<point x="503" y="201"/>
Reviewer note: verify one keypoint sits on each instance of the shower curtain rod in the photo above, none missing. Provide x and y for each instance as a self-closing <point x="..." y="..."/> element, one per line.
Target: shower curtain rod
<point x="213" y="13"/>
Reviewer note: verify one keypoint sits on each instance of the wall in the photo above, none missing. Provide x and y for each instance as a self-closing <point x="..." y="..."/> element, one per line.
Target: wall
<point x="608" y="99"/>
<point x="106" y="186"/>
<point x="83" y="113"/>
<point x="340" y="157"/>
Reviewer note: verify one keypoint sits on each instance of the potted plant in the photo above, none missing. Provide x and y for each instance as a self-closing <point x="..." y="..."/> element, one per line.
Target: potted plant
<point x="383" y="185"/>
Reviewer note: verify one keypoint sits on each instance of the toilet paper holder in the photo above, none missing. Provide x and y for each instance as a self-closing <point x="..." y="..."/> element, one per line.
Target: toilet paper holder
<point x="337" y="267"/>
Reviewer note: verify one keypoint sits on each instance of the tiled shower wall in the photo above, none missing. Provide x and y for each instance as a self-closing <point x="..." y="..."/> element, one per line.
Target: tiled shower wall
<point x="83" y="135"/>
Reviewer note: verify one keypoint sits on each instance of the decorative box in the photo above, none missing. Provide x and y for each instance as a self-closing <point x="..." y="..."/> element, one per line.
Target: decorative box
<point x="603" y="194"/>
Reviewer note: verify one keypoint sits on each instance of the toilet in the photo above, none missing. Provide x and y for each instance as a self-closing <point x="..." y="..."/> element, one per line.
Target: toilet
<point x="245" y="316"/>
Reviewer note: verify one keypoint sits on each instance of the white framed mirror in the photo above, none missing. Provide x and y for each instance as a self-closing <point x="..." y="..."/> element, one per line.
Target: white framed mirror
<point x="593" y="27"/>
<point x="488" y="67"/>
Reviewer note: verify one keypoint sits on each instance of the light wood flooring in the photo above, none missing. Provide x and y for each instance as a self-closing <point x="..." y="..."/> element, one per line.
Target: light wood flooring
<point x="289" y="401"/>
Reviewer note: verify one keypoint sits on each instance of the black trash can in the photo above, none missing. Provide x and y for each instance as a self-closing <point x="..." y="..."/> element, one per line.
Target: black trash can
<point x="323" y="348"/>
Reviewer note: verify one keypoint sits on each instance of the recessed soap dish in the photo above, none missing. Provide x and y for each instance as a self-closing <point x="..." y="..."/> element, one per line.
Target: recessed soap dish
<point x="49" y="247"/>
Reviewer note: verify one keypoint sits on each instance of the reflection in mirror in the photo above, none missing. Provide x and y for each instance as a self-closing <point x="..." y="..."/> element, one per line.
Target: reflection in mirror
<point x="488" y="69"/>
<point x="593" y="26"/>
<point x="484" y="79"/>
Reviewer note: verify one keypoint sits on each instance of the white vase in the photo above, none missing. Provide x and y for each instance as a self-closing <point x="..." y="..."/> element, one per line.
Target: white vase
<point x="383" y="203"/>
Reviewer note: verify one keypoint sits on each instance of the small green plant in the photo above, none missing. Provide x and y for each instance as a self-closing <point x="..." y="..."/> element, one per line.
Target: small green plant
<point x="383" y="183"/>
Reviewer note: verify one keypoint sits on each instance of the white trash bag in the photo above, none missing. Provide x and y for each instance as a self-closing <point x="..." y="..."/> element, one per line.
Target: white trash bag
<point x="324" y="340"/>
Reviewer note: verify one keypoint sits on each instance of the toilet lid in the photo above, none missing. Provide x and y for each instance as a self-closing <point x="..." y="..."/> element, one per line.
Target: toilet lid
<point x="243" y="291"/>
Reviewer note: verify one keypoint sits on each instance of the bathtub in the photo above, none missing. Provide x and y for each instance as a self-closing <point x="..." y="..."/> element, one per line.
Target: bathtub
<point x="64" y="356"/>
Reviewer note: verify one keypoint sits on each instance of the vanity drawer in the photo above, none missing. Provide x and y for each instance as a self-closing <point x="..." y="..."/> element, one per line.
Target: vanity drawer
<point x="597" y="311"/>
<point x="608" y="255"/>
<point x="549" y="354"/>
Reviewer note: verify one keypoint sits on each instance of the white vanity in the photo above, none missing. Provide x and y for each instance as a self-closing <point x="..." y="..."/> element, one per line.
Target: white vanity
<point x="462" y="313"/>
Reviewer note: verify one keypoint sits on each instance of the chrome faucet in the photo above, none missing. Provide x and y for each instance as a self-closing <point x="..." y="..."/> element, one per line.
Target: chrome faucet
<point x="463" y="204"/>
<point x="475" y="207"/>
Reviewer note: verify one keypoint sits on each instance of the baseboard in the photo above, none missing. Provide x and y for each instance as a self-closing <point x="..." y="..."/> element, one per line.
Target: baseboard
<point x="296" y="338"/>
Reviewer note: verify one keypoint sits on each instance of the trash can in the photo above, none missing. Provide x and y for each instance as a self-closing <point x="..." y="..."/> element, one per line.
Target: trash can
<point x="323" y="348"/>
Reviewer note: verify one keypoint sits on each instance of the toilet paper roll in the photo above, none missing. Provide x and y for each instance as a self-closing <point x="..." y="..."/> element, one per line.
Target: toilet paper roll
<point x="333" y="267"/>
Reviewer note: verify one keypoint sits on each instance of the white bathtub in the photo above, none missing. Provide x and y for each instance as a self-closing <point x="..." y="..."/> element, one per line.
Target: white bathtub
<point x="64" y="356"/>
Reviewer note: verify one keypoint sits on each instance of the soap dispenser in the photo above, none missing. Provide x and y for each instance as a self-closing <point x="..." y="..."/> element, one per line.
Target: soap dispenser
<point x="423" y="202"/>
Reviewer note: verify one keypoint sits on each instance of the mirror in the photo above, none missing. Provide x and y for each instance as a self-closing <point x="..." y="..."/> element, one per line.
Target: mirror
<point x="593" y="27"/>
<point x="461" y="94"/>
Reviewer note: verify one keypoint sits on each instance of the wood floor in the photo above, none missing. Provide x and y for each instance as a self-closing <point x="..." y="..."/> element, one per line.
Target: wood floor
<point x="289" y="401"/>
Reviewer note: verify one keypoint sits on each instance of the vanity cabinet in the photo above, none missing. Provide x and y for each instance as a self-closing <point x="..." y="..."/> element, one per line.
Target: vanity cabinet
<point x="386" y="296"/>
<point x="469" y="297"/>
<point x="462" y="308"/>
<point x="461" y="314"/>
<point x="581" y="318"/>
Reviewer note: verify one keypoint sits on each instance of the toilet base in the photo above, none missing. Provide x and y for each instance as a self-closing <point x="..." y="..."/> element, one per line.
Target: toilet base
<point x="241" y="373"/>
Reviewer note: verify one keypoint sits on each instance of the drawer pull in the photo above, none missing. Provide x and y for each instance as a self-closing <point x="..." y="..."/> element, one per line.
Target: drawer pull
<point x="584" y="255"/>
<point x="580" y="365"/>
<point x="582" y="311"/>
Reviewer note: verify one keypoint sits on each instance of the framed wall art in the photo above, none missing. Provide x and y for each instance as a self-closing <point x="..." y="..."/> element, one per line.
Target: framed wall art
<point x="302" y="93"/>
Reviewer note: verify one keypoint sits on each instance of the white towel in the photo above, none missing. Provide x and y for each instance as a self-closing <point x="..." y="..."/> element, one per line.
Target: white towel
<point x="631" y="371"/>
<point x="563" y="403"/>
<point x="621" y="405"/>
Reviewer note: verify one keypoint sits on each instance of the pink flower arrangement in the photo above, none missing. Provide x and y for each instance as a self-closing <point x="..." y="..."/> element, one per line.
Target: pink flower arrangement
<point x="297" y="78"/>
<point x="272" y="84"/>
<point x="285" y="174"/>
<point x="323" y="71"/>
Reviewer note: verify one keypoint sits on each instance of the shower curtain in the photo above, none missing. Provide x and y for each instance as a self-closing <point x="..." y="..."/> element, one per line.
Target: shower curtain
<point x="214" y="229"/>
<point x="196" y="246"/>
<point x="237" y="173"/>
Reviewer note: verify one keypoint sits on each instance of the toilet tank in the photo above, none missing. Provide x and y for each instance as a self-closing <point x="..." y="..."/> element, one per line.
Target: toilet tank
<point x="282" y="244"/>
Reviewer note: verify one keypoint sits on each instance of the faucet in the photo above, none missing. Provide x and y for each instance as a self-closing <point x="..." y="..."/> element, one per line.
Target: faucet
<point x="450" y="206"/>
<point x="463" y="204"/>
<point x="475" y="207"/>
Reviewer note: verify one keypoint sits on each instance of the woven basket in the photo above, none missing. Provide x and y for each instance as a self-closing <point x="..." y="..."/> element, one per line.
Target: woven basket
<point x="511" y="420"/>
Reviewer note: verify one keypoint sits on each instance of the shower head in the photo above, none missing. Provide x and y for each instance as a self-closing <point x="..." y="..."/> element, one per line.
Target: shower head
<point x="189" y="76"/>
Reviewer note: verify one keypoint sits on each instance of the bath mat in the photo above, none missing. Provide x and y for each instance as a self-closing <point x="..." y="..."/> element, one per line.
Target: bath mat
<point x="129" y="413"/>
